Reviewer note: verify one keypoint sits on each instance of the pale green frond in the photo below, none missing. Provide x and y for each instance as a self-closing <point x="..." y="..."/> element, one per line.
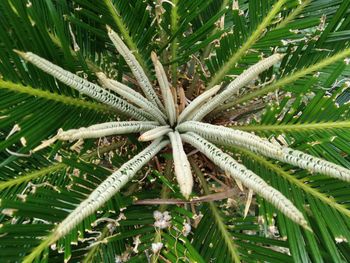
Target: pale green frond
<point x="18" y="88"/>
<point x="246" y="77"/>
<point x="83" y="86"/>
<point x="124" y="30"/>
<point x="247" y="177"/>
<point x="132" y="95"/>
<point x="330" y="125"/>
<point x="110" y="187"/>
<point x="155" y="133"/>
<point x="188" y="112"/>
<point x="135" y="67"/>
<point x="227" y="136"/>
<point x="99" y="131"/>
<point x="142" y="125"/>
<point x="106" y="129"/>
<point x="165" y="89"/>
<point x="182" y="166"/>
<point x="299" y="183"/>
<point x="290" y="78"/>
<point x="102" y="194"/>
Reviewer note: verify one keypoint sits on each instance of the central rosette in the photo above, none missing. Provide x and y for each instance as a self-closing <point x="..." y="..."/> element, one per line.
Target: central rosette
<point x="158" y="120"/>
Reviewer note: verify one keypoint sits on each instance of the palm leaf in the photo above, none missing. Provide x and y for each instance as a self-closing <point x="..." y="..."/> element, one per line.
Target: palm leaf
<point x="207" y="43"/>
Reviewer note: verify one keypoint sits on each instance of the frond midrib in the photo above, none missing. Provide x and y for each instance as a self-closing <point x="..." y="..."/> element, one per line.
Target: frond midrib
<point x="43" y="94"/>
<point x="295" y="127"/>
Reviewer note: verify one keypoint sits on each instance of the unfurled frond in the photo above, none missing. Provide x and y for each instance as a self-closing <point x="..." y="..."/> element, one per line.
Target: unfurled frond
<point x="222" y="233"/>
<point x="83" y="86"/>
<point x="247" y="177"/>
<point x="288" y="79"/>
<point x="256" y="144"/>
<point x="104" y="192"/>
<point x="255" y="35"/>
<point x="30" y="91"/>
<point x="246" y="77"/>
<point x="182" y="166"/>
<point x="165" y="89"/>
<point x="135" y="67"/>
<point x="133" y="96"/>
<point x="155" y="133"/>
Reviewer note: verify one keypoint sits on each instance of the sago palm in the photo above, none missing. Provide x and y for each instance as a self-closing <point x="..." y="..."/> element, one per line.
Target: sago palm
<point x="246" y="100"/>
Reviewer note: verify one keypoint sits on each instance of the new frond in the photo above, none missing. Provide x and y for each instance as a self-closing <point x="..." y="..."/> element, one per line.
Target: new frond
<point x="84" y="86"/>
<point x="135" y="67"/>
<point x="247" y="177"/>
<point x="239" y="82"/>
<point x="227" y="136"/>
<point x="106" y="190"/>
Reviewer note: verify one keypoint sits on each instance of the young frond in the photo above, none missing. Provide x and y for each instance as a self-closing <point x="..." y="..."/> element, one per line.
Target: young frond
<point x="247" y="177"/>
<point x="133" y="96"/>
<point x="83" y="86"/>
<point x="188" y="112"/>
<point x="155" y="133"/>
<point x="243" y="79"/>
<point x="135" y="67"/>
<point x="98" y="131"/>
<point x="165" y="89"/>
<point x="108" y="188"/>
<point x="106" y="129"/>
<point x="182" y="166"/>
<point x="228" y="136"/>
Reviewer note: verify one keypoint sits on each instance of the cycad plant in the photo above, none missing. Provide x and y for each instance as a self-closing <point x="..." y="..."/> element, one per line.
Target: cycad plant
<point x="174" y="131"/>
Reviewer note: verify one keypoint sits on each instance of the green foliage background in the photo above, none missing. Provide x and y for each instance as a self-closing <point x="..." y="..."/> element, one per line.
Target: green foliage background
<point x="311" y="115"/>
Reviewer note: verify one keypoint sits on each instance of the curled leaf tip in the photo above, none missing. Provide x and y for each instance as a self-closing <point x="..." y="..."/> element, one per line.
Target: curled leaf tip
<point x="102" y="78"/>
<point x="280" y="56"/>
<point x="100" y="74"/>
<point x="307" y="227"/>
<point x="109" y="29"/>
<point x="186" y="189"/>
<point x="154" y="57"/>
<point x="20" y="53"/>
<point x="45" y="144"/>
